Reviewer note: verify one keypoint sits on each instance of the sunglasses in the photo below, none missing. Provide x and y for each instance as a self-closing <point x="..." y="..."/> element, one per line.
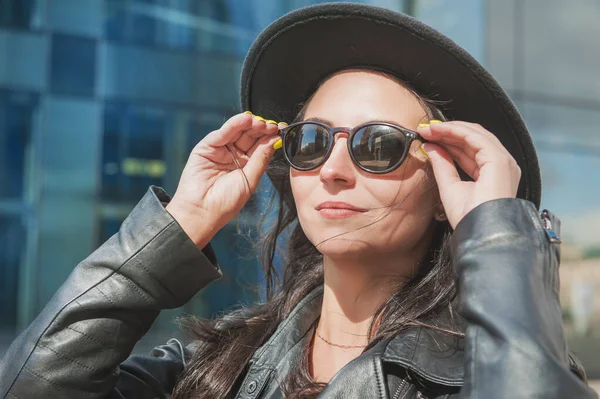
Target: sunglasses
<point x="375" y="147"/>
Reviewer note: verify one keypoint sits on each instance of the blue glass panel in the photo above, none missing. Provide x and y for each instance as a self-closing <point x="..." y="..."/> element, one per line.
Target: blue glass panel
<point x="12" y="238"/>
<point x="210" y="26"/>
<point x="132" y="153"/>
<point x="17" y="13"/>
<point x="72" y="65"/>
<point x="85" y="18"/>
<point x="114" y="25"/>
<point x="111" y="156"/>
<point x="16" y="113"/>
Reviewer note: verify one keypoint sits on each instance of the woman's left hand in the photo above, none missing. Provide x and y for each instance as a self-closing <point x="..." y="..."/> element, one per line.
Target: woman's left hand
<point x="479" y="154"/>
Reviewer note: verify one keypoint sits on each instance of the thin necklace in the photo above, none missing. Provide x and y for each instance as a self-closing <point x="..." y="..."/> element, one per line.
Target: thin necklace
<point x="338" y="345"/>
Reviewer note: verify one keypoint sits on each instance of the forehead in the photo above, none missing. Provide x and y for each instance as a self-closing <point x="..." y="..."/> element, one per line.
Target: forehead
<point x="352" y="97"/>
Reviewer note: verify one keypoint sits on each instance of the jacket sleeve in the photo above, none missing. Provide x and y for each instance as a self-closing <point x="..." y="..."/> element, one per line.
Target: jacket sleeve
<point x="507" y="270"/>
<point x="76" y="345"/>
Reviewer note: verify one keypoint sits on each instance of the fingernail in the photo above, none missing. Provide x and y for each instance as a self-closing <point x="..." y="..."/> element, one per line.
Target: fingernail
<point x="278" y="144"/>
<point x="422" y="151"/>
<point x="283" y="123"/>
<point x="248" y="112"/>
<point x="259" y="118"/>
<point x="435" y="121"/>
<point x="271" y="121"/>
<point x="423" y="124"/>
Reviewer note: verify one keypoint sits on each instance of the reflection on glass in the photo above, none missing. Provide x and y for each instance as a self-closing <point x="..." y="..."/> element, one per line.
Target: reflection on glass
<point x="209" y="26"/>
<point x="307" y="145"/>
<point x="18" y="13"/>
<point x="132" y="151"/>
<point x="73" y="75"/>
<point x="378" y="147"/>
<point x="12" y="238"/>
<point x="16" y="119"/>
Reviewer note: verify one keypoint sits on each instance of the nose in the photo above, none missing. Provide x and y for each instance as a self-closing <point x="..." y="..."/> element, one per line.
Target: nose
<point x="338" y="168"/>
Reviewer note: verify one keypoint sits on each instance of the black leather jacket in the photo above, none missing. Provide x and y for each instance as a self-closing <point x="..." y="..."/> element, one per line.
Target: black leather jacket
<point x="80" y="344"/>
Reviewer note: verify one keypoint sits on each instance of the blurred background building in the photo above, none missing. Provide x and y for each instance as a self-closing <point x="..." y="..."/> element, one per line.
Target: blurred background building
<point x="101" y="98"/>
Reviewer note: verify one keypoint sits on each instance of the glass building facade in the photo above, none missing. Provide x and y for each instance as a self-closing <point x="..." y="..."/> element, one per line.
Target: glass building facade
<point x="101" y="98"/>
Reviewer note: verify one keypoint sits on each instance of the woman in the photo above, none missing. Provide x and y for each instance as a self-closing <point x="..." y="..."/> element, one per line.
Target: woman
<point x="367" y="183"/>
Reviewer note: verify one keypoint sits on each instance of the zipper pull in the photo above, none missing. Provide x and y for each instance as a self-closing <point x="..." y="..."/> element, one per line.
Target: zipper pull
<point x="548" y="228"/>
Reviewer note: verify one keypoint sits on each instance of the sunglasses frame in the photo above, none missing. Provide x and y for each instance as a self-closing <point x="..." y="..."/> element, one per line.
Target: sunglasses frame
<point x="409" y="135"/>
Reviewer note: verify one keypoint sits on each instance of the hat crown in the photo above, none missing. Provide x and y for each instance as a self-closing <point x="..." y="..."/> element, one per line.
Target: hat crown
<point x="292" y="55"/>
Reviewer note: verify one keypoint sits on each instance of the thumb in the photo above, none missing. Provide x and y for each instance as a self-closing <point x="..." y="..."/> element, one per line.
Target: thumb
<point x="260" y="155"/>
<point x="443" y="168"/>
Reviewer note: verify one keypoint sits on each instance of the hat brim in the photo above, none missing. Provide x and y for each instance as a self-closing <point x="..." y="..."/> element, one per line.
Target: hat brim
<point x="295" y="53"/>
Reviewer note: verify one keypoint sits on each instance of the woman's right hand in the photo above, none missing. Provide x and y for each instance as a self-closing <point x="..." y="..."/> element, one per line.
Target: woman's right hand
<point x="212" y="189"/>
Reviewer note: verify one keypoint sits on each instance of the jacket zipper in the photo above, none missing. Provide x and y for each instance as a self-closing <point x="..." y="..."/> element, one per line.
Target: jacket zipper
<point x="399" y="390"/>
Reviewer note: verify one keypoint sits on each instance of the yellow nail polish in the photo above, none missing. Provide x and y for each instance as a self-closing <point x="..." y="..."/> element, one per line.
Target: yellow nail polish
<point x="422" y="151"/>
<point x="271" y="121"/>
<point x="283" y="123"/>
<point x="248" y="112"/>
<point x="259" y="118"/>
<point x="423" y="124"/>
<point x="278" y="144"/>
<point x="435" y="121"/>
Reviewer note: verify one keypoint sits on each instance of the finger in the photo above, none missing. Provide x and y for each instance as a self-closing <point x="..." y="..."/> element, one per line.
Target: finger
<point x="273" y="134"/>
<point x="444" y="170"/>
<point x="260" y="156"/>
<point x="458" y="135"/>
<point x="259" y="128"/>
<point x="466" y="161"/>
<point x="238" y="159"/>
<point x="260" y="141"/>
<point x="480" y="129"/>
<point x="230" y="130"/>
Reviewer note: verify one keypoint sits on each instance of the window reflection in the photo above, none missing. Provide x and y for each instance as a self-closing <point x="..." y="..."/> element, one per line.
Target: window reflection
<point x="378" y="147"/>
<point x="69" y="74"/>
<point x="132" y="151"/>
<point x="16" y="119"/>
<point x="307" y="144"/>
<point x="12" y="240"/>
<point x="17" y="13"/>
<point x="210" y="25"/>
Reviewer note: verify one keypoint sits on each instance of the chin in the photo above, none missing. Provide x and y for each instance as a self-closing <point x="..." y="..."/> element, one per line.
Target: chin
<point x="352" y="243"/>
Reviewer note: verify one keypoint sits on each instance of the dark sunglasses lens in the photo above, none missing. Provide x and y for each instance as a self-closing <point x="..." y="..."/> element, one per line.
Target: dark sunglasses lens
<point x="306" y="145"/>
<point x="378" y="147"/>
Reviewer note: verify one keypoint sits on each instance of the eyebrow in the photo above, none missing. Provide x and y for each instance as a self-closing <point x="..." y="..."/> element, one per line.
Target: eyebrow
<point x="329" y="123"/>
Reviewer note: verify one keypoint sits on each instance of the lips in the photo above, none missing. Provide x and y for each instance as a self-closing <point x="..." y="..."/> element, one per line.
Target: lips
<point x="338" y="210"/>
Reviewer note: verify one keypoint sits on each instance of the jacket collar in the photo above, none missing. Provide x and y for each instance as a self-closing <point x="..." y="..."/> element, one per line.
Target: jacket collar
<point x="290" y="331"/>
<point x="428" y="353"/>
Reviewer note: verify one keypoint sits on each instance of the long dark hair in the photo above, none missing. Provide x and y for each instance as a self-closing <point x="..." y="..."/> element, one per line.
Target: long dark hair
<point x="226" y="344"/>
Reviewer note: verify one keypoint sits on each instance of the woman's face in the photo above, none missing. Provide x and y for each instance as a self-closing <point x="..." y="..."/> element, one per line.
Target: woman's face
<point x="407" y="195"/>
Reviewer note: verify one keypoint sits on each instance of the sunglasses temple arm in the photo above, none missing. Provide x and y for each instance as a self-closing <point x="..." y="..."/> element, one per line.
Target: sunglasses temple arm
<point x="421" y="138"/>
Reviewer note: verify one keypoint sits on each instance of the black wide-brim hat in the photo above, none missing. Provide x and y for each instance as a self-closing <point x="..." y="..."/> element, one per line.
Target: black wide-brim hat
<point x="290" y="57"/>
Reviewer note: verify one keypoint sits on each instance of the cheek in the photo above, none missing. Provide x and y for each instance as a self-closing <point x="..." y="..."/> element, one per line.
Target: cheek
<point x="300" y="186"/>
<point x="412" y="202"/>
<point x="302" y="189"/>
<point x="303" y="186"/>
<point x="412" y="191"/>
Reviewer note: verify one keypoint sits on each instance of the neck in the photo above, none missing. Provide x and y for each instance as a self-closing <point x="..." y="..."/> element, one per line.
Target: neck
<point x="356" y="285"/>
<point x="354" y="290"/>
